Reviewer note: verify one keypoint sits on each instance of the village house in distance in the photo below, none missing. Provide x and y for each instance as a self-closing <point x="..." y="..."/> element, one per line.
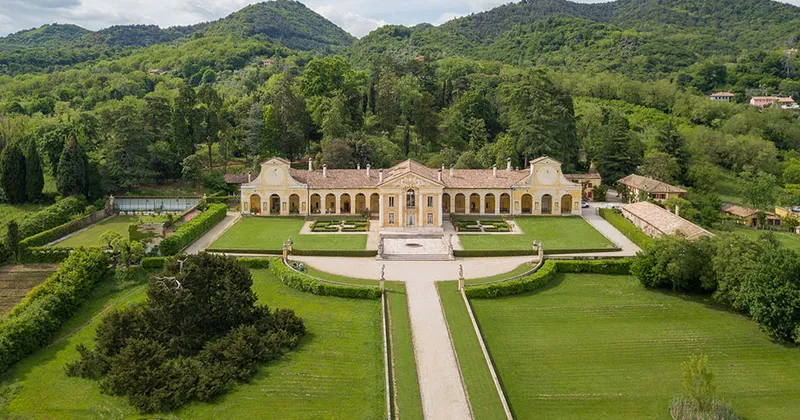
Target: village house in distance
<point x="641" y="188"/>
<point x="411" y="195"/>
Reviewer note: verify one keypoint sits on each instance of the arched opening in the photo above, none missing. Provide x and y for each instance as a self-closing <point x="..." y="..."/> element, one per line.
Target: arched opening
<point x="505" y="203"/>
<point x="527" y="204"/>
<point x="489" y="204"/>
<point x="330" y="204"/>
<point x="461" y="205"/>
<point x="274" y="204"/>
<point x="315" y="203"/>
<point x="345" y="206"/>
<point x="294" y="204"/>
<point x="255" y="204"/>
<point x="566" y="204"/>
<point x="411" y="199"/>
<point x="374" y="203"/>
<point x="446" y="204"/>
<point x="547" y="204"/>
<point x="361" y="203"/>
<point x="474" y="203"/>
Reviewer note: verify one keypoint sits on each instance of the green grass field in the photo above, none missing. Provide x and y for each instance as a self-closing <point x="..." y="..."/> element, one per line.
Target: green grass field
<point x="554" y="232"/>
<point x="407" y="400"/>
<point x="503" y="276"/>
<point x="340" y="279"/>
<point x="9" y="212"/>
<point x="269" y="233"/>
<point x="789" y="240"/>
<point x="336" y="372"/>
<point x="592" y="346"/>
<point x="483" y="398"/>
<point x="626" y="228"/>
<point x="91" y="236"/>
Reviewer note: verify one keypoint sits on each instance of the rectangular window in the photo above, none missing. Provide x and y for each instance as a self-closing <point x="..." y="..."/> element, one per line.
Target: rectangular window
<point x="430" y="218"/>
<point x="430" y="201"/>
<point x="391" y="218"/>
<point x="391" y="201"/>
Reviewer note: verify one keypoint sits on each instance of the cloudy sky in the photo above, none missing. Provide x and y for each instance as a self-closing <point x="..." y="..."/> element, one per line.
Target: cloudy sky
<point x="358" y="17"/>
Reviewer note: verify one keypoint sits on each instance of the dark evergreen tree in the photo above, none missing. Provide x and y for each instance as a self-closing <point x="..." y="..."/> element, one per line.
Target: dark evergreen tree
<point x="614" y="151"/>
<point x="12" y="173"/>
<point x="12" y="238"/>
<point x="184" y="119"/>
<point x="71" y="173"/>
<point x="34" y="178"/>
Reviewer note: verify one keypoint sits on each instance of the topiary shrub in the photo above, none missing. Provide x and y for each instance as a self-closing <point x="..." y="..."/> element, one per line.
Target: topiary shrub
<point x="193" y="229"/>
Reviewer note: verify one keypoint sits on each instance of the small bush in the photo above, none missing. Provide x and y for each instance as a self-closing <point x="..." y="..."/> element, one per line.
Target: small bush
<point x="153" y="263"/>
<point x="311" y="285"/>
<point x="193" y="229"/>
<point x="254" y="263"/>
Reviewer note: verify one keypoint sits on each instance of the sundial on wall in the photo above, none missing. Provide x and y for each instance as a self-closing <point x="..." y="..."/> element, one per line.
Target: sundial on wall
<point x="274" y="176"/>
<point x="546" y="176"/>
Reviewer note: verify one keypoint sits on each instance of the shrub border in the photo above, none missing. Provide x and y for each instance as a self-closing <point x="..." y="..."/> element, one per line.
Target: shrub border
<point x="305" y="283"/>
<point x="300" y="252"/>
<point x="473" y="253"/>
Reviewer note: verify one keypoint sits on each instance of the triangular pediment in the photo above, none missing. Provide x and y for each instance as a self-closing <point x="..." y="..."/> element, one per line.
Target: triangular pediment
<point x="411" y="180"/>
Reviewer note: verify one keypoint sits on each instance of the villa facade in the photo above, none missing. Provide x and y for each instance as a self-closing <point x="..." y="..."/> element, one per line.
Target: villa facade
<point x="410" y="194"/>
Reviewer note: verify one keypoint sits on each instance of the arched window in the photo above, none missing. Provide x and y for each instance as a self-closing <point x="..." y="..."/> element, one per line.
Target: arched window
<point x="411" y="200"/>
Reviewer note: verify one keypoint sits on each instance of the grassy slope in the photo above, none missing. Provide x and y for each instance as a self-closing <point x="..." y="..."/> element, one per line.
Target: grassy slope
<point x="405" y="366"/>
<point x="503" y="276"/>
<point x="340" y="279"/>
<point x="591" y="346"/>
<point x="555" y="232"/>
<point x="626" y="228"/>
<point x="269" y="233"/>
<point x="336" y="372"/>
<point x="482" y="392"/>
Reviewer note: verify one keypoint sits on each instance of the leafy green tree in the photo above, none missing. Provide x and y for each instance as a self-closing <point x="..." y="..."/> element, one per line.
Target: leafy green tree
<point x="34" y="178"/>
<point x="192" y="169"/>
<point x="12" y="173"/>
<point x="772" y="293"/>
<point x="126" y="152"/>
<point x="759" y="188"/>
<point x="333" y="123"/>
<point x="675" y="262"/>
<point x="426" y="121"/>
<point x="71" y="175"/>
<point x="698" y="381"/>
<point x="184" y="121"/>
<point x="209" y="111"/>
<point x="253" y="132"/>
<point x="387" y="102"/>
<point x="661" y="166"/>
<point x="791" y="171"/>
<point x="290" y="113"/>
<point x="614" y="151"/>
<point x="12" y="238"/>
<point x="109" y="237"/>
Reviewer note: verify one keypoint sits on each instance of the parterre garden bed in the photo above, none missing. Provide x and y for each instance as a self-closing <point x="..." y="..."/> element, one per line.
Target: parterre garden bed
<point x="563" y="233"/>
<point x="269" y="234"/>
<point x="482" y="225"/>
<point x="599" y="346"/>
<point x="333" y="226"/>
<point x="336" y="372"/>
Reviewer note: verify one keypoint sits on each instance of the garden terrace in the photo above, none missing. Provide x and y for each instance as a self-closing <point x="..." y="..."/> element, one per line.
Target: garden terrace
<point x="17" y="280"/>
<point x="590" y="345"/>
<point x="556" y="233"/>
<point x="335" y="372"/>
<point x="269" y="234"/>
<point x="90" y="237"/>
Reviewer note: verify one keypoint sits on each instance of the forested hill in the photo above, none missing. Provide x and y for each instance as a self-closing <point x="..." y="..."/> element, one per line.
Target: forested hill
<point x="640" y="38"/>
<point x="281" y="22"/>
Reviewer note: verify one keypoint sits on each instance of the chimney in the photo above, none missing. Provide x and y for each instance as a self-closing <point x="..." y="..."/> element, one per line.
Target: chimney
<point x="325" y="171"/>
<point x="452" y="170"/>
<point x="440" y="175"/>
<point x="677" y="211"/>
<point x="531" y="169"/>
<point x="358" y="166"/>
<point x="368" y="166"/>
<point x="249" y="177"/>
<point x="380" y="175"/>
<point x="508" y="164"/>
<point x="310" y="164"/>
<point x="494" y="170"/>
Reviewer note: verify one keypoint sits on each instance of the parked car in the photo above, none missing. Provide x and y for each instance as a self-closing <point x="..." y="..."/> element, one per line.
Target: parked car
<point x="584" y="205"/>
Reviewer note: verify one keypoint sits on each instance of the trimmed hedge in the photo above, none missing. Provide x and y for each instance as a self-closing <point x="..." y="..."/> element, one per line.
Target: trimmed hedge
<point x="153" y="263"/>
<point x="193" y="229"/>
<point x="471" y="253"/>
<point x="311" y="285"/>
<point x="58" y="232"/>
<point x="31" y="324"/>
<point x="44" y="255"/>
<point x="543" y="276"/>
<point x="300" y="252"/>
<point x="52" y="216"/>
<point x="254" y="262"/>
<point x="626" y="227"/>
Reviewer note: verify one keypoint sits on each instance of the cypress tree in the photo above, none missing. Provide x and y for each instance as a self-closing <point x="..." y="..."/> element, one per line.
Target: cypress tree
<point x="12" y="238"/>
<point x="71" y="174"/>
<point x="34" y="178"/>
<point x="12" y="174"/>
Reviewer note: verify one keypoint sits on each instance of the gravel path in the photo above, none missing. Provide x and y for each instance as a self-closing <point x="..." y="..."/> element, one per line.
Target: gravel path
<point x="212" y="235"/>
<point x="440" y="385"/>
<point x="629" y="248"/>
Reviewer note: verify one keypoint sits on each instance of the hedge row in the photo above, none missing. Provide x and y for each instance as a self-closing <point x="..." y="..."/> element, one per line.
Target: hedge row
<point x="31" y="324"/>
<point x="254" y="263"/>
<point x="58" y="232"/>
<point x="52" y="216"/>
<point x="543" y="276"/>
<point x="470" y="253"/>
<point x="44" y="255"/>
<point x="626" y="227"/>
<point x="311" y="285"/>
<point x="300" y="252"/>
<point x="153" y="263"/>
<point x="193" y="229"/>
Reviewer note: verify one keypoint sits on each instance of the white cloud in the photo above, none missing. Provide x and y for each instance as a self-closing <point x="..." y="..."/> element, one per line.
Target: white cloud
<point x="351" y="22"/>
<point x="447" y="17"/>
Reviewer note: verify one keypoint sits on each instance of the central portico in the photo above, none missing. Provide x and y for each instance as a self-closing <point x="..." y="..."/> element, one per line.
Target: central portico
<point x="410" y="195"/>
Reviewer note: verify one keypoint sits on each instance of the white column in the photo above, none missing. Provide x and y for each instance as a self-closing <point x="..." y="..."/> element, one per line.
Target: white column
<point x="336" y="202"/>
<point x="452" y="203"/>
<point x="380" y="210"/>
<point x="401" y="204"/>
<point x="482" y="199"/>
<point x="439" y="204"/>
<point x="496" y="204"/>
<point x="421" y="210"/>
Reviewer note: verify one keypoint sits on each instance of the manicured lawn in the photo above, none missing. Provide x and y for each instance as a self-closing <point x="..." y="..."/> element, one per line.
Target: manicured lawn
<point x="9" y="212"/>
<point x="503" y="276"/>
<point x="555" y="232"/>
<point x="91" y="236"/>
<point x="789" y="240"/>
<point x="407" y="399"/>
<point x="626" y="227"/>
<point x="341" y="279"/>
<point x="592" y="346"/>
<point x="269" y="233"/>
<point x="17" y="280"/>
<point x="483" y="397"/>
<point x="336" y="372"/>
